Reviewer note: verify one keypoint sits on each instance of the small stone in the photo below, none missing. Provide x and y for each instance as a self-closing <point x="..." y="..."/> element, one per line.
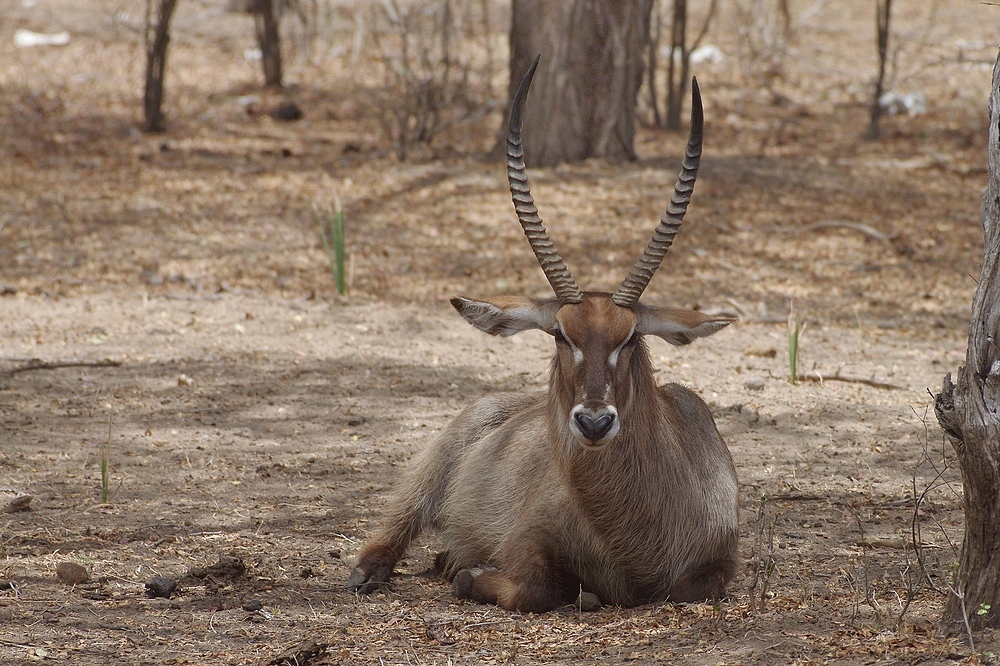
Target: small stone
<point x="71" y="573"/>
<point x="253" y="605"/>
<point x="158" y="586"/>
<point x="151" y="276"/>
<point x="288" y="111"/>
<point x="306" y="652"/>
<point x="754" y="383"/>
<point x="18" y="504"/>
<point x="588" y="602"/>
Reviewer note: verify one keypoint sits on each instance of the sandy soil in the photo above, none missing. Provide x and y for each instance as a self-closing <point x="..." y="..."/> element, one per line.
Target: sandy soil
<point x="166" y="308"/>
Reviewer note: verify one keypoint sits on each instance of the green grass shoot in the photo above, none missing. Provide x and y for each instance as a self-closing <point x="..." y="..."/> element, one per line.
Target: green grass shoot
<point x="331" y="227"/>
<point x="795" y="329"/>
<point x="106" y="458"/>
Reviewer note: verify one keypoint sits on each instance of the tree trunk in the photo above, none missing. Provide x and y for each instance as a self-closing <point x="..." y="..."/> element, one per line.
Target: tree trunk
<point x="156" y="65"/>
<point x="656" y="27"/>
<point x="269" y="40"/>
<point x="969" y="412"/>
<point x="583" y="101"/>
<point x="677" y="66"/>
<point x="883" y="11"/>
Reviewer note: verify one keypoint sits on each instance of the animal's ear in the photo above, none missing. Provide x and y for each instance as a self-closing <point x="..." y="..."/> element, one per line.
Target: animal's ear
<point x="507" y="315"/>
<point x="676" y="325"/>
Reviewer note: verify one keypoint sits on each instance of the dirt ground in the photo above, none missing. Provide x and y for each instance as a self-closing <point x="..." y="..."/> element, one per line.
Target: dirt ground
<point x="166" y="308"/>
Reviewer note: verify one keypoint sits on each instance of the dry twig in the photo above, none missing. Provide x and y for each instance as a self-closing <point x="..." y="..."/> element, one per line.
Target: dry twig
<point x="38" y="364"/>
<point x="818" y="378"/>
<point x="869" y="231"/>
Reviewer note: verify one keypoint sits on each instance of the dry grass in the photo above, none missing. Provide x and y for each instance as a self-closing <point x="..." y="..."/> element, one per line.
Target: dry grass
<point x="194" y="254"/>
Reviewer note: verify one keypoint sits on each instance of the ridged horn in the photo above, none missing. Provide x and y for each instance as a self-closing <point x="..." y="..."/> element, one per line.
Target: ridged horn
<point x="548" y="258"/>
<point x="631" y="288"/>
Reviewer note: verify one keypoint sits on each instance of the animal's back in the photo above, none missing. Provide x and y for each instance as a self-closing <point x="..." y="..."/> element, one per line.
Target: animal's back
<point x="714" y="479"/>
<point x="711" y="459"/>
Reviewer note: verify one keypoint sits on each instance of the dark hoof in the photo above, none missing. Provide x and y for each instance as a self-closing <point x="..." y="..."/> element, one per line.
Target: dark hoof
<point x="363" y="582"/>
<point x="461" y="587"/>
<point x="588" y="602"/>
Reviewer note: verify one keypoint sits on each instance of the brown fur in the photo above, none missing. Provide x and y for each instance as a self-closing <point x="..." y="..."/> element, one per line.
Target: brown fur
<point x="530" y="515"/>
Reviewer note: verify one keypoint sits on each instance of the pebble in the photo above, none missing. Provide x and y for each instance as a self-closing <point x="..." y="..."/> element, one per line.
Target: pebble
<point x="72" y="573"/>
<point x="588" y="602"/>
<point x="19" y="503"/>
<point x="158" y="586"/>
<point x="754" y="383"/>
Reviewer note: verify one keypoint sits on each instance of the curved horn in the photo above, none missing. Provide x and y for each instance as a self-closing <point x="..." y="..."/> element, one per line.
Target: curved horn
<point x="527" y="214"/>
<point x="631" y="288"/>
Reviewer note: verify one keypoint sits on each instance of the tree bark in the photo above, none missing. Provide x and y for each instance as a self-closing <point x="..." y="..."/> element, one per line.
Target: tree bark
<point x="677" y="65"/>
<point x="883" y="12"/>
<point x="656" y="27"/>
<point x="583" y="101"/>
<point x="969" y="412"/>
<point x="269" y="40"/>
<point x="156" y="65"/>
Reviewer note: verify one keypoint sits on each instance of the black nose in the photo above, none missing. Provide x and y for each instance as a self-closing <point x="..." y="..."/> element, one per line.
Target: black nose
<point x="594" y="429"/>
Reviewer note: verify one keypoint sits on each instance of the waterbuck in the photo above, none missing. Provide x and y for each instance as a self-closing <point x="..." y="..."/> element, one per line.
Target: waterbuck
<point x="606" y="484"/>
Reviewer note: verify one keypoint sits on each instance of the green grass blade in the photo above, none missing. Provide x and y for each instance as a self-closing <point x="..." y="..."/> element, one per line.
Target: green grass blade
<point x="338" y="251"/>
<point x="793" y="354"/>
<point x="795" y="328"/>
<point x="105" y="478"/>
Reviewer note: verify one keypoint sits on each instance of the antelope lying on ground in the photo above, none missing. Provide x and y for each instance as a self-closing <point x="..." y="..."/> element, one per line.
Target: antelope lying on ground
<point x="607" y="485"/>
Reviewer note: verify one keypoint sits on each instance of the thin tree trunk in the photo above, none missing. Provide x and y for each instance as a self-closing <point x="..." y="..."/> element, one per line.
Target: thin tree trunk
<point x="654" y="44"/>
<point x="677" y="76"/>
<point x="786" y="19"/>
<point x="582" y="103"/>
<point x="883" y="10"/>
<point x="156" y="65"/>
<point x="269" y="39"/>
<point x="677" y="85"/>
<point x="969" y="412"/>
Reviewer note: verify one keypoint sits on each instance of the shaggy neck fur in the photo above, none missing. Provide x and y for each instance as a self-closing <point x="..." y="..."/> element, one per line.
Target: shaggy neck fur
<point x="628" y="489"/>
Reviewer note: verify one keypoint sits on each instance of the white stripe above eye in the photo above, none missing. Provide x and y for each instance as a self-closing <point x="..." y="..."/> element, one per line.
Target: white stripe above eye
<point x="613" y="358"/>
<point x="577" y="354"/>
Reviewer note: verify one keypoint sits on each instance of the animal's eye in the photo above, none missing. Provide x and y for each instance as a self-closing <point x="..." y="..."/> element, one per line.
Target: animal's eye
<point x="634" y="338"/>
<point x="560" y="338"/>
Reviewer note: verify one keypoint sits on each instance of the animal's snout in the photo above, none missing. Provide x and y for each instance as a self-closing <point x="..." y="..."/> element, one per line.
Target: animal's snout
<point x="594" y="429"/>
<point x="598" y="427"/>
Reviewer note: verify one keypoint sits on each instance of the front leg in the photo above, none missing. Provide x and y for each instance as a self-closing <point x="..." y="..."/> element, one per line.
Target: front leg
<point x="376" y="560"/>
<point x="373" y="570"/>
